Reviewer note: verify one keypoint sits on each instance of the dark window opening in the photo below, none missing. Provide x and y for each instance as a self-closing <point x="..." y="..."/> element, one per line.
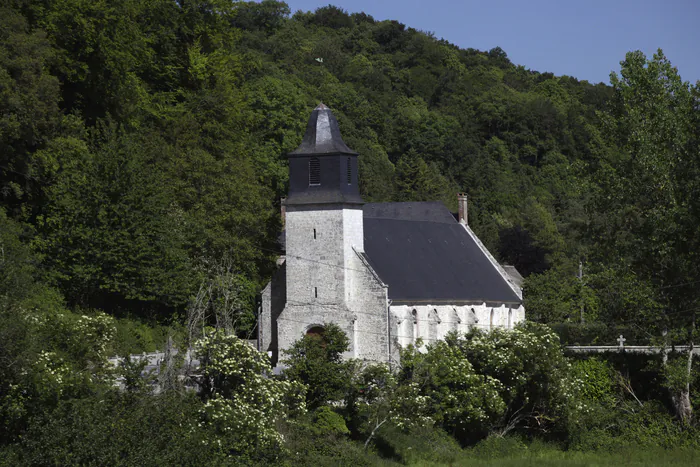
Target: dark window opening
<point x="315" y="292"/>
<point x="314" y="234"/>
<point x="349" y="171"/>
<point x="316" y="331"/>
<point x="314" y="171"/>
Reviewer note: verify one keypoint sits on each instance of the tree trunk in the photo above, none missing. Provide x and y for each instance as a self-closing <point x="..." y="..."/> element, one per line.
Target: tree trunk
<point x="376" y="427"/>
<point x="681" y="398"/>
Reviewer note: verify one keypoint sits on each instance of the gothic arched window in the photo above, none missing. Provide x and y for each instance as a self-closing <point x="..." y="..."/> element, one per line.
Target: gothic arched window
<point x="510" y="318"/>
<point x="433" y="321"/>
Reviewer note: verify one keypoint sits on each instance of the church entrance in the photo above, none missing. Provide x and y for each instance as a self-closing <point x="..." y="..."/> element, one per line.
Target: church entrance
<point x="315" y="331"/>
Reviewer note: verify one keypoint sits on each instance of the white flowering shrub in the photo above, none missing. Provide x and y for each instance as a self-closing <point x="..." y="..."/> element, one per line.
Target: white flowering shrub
<point x="56" y="355"/>
<point x="242" y="402"/>
<point x="536" y="381"/>
<point x="52" y="374"/>
<point x="369" y="401"/>
<point x="441" y="387"/>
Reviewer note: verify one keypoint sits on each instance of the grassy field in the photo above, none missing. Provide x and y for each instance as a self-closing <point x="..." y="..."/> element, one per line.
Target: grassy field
<point x="553" y="457"/>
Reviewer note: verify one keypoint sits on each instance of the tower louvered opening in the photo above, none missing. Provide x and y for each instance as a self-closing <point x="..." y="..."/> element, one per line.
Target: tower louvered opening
<point x="314" y="171"/>
<point x="349" y="171"/>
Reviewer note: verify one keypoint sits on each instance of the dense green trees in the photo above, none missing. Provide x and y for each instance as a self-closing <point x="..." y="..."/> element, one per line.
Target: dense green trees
<point x="141" y="166"/>
<point x="154" y="143"/>
<point x="156" y="130"/>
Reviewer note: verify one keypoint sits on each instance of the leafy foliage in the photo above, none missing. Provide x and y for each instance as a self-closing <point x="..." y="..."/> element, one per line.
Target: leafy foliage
<point x="316" y="361"/>
<point x="441" y="387"/>
<point x="536" y="384"/>
<point x="242" y="403"/>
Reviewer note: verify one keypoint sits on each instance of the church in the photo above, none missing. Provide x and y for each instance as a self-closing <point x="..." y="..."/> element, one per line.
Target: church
<point x="387" y="273"/>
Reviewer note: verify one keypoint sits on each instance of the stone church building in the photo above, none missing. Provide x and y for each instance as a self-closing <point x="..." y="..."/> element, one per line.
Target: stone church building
<point x="386" y="273"/>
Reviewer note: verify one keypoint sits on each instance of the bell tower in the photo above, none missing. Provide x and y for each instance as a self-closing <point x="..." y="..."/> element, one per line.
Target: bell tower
<point x="323" y="170"/>
<point x="323" y="229"/>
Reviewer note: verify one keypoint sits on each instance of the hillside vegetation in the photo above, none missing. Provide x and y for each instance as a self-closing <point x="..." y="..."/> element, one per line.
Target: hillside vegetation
<point x="142" y="162"/>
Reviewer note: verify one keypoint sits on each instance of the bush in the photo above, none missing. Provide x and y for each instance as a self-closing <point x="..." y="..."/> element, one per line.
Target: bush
<point x="633" y="425"/>
<point x="596" y="382"/>
<point x="535" y="379"/>
<point x="327" y="422"/>
<point x="113" y="428"/>
<point x="316" y="361"/>
<point x="136" y="337"/>
<point x="242" y="405"/>
<point x="422" y="443"/>
<point x="441" y="387"/>
<point x="310" y="441"/>
<point x="497" y="447"/>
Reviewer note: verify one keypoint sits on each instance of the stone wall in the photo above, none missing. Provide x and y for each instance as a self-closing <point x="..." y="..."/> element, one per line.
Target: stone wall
<point x="434" y="322"/>
<point x="273" y="299"/>
<point x="369" y="303"/>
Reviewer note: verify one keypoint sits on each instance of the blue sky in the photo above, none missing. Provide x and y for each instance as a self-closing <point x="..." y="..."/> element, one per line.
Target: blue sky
<point x="584" y="39"/>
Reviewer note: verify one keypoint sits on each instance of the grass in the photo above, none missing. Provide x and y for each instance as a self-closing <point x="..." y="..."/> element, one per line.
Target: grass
<point x="550" y="456"/>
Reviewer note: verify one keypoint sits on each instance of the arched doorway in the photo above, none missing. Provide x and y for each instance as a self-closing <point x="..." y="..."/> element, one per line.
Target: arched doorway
<point x="315" y="331"/>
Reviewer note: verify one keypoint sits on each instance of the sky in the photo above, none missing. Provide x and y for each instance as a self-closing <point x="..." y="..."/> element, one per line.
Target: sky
<point x="583" y="39"/>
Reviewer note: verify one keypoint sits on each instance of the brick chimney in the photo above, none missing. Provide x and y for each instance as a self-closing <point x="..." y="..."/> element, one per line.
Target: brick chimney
<point x="462" y="201"/>
<point x="283" y="210"/>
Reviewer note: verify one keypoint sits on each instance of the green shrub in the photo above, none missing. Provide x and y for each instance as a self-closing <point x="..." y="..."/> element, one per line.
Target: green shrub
<point x="114" y="428"/>
<point x="595" y="377"/>
<point x="419" y="444"/>
<point x="309" y="442"/>
<point x="632" y="425"/>
<point x="316" y="360"/>
<point x="328" y="422"/>
<point x="497" y="447"/>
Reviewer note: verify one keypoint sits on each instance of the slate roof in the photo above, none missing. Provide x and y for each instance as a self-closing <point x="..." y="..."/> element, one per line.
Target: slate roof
<point x="322" y="136"/>
<point x="425" y="256"/>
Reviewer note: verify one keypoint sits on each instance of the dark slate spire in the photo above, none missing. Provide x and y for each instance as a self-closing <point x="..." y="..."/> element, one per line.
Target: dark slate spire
<point x="323" y="169"/>
<point x="322" y="135"/>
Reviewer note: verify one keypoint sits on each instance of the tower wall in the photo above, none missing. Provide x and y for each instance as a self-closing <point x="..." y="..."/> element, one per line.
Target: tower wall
<point x="327" y="281"/>
<point x="319" y="242"/>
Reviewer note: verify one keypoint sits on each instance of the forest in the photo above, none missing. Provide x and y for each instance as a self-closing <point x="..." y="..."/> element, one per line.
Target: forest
<point x="142" y="162"/>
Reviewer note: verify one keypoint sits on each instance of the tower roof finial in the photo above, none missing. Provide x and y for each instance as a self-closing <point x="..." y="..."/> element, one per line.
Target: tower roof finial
<point x="322" y="135"/>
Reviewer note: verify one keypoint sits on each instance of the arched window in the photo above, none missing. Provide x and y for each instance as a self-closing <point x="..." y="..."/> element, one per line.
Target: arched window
<point x="314" y="171"/>
<point x="414" y="315"/>
<point x="433" y="321"/>
<point x="456" y="320"/>
<point x="510" y="318"/>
